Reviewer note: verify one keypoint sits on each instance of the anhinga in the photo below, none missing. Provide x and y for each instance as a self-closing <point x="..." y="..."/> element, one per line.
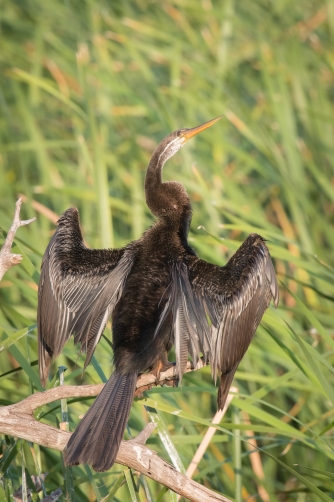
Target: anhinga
<point x="159" y="294"/>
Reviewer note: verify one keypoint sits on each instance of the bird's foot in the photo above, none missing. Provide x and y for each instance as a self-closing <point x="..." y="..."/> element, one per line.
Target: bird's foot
<point x="139" y="394"/>
<point x="162" y="366"/>
<point x="172" y="383"/>
<point x="166" y="365"/>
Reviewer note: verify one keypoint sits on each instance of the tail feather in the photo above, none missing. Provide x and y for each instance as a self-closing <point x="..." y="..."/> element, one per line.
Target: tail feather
<point x="226" y="380"/>
<point x="97" y="438"/>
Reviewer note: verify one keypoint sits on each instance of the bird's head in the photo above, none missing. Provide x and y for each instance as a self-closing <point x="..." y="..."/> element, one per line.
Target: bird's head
<point x="169" y="199"/>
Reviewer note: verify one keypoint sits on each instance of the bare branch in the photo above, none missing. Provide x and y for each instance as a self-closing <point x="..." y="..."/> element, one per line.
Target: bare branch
<point x="145" y="433"/>
<point x="41" y="209"/>
<point x="17" y="420"/>
<point x="7" y="258"/>
<point x="34" y="401"/>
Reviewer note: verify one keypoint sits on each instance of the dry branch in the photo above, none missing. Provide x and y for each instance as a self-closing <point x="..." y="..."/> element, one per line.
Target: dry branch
<point x="17" y="420"/>
<point x="7" y="258"/>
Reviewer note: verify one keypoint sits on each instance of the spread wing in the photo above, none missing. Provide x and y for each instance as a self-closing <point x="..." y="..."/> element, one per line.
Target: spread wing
<point x="235" y="298"/>
<point x="78" y="290"/>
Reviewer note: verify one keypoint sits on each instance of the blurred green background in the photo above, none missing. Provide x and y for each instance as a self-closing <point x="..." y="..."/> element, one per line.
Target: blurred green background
<point x="88" y="88"/>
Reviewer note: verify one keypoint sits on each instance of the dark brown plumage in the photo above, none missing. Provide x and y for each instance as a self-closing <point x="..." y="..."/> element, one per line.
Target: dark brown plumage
<point x="158" y="293"/>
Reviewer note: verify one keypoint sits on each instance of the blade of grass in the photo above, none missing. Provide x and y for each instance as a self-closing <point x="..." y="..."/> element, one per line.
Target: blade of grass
<point x="46" y="86"/>
<point x="315" y="368"/>
<point x="14" y="337"/>
<point x="131" y="485"/>
<point x="156" y="418"/>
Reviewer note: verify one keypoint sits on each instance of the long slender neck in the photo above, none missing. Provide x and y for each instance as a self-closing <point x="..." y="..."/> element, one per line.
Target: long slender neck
<point x="153" y="179"/>
<point x="168" y="201"/>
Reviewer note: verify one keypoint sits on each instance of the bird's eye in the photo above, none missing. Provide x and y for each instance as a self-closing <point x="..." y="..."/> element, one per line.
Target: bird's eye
<point x="179" y="133"/>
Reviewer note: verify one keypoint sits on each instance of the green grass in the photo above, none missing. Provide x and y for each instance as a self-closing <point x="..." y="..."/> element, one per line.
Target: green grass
<point x="87" y="90"/>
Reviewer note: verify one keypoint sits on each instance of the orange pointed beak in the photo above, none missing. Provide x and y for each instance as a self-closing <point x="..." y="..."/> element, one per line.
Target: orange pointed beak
<point x="189" y="133"/>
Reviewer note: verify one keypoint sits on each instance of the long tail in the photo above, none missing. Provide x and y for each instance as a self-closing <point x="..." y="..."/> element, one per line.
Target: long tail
<point x="97" y="438"/>
<point x="226" y="380"/>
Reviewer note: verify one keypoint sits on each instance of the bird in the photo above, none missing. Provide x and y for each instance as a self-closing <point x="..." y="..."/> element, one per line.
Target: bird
<point x="158" y="293"/>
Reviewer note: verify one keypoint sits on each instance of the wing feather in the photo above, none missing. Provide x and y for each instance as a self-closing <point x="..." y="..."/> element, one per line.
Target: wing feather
<point x="235" y="298"/>
<point x="78" y="291"/>
<point x="190" y="326"/>
<point x="181" y="338"/>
